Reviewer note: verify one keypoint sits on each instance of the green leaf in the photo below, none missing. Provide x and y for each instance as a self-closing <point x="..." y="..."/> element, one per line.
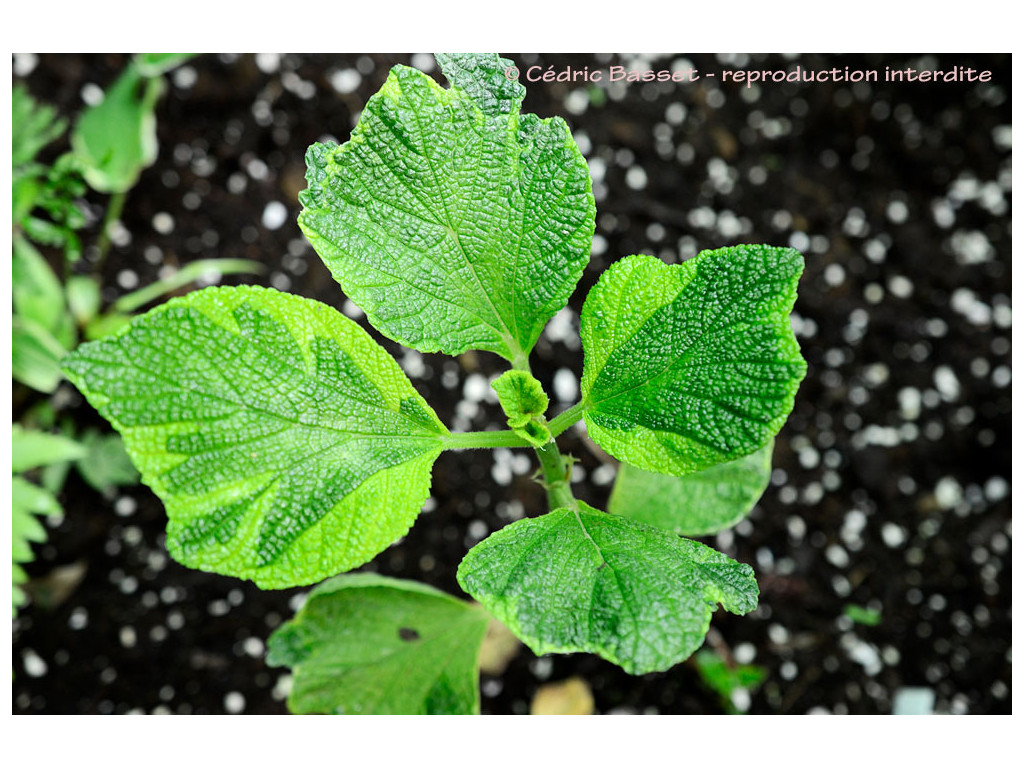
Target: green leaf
<point x="105" y="463"/>
<point x="35" y="289"/>
<point x="26" y="187"/>
<point x="453" y="225"/>
<point x="156" y="64"/>
<point x="690" y="365"/>
<point x="521" y="397"/>
<point x="116" y="139"/>
<point x="83" y="297"/>
<point x="285" y="443"/>
<point x="27" y="501"/>
<point x="484" y="78"/>
<point x="33" y="126"/>
<point x="637" y="596"/>
<point x="724" y="679"/>
<point x="35" y="355"/>
<point x="869" y="617"/>
<point x="367" y="644"/>
<point x="31" y="449"/>
<point x="105" y="325"/>
<point x="694" y="505"/>
<point x="524" y="402"/>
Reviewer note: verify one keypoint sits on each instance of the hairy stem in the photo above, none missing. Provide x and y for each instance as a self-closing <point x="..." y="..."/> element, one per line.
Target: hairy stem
<point x="557" y="476"/>
<point x="566" y="419"/>
<point x="505" y="438"/>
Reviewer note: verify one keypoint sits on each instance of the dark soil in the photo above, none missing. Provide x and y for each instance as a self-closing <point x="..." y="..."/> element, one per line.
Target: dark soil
<point x="892" y="484"/>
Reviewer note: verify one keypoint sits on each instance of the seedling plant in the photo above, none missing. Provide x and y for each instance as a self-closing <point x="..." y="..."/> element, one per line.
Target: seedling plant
<point x="288" y="447"/>
<point x="111" y="143"/>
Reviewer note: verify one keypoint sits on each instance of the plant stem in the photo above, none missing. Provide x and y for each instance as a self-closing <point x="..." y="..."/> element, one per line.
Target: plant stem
<point x="556" y="477"/>
<point x="505" y="438"/>
<point x="566" y="419"/>
<point x="521" y="362"/>
<point x="113" y="214"/>
<point x="187" y="274"/>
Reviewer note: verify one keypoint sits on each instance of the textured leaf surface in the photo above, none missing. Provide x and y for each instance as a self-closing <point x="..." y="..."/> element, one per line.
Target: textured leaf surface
<point x="524" y="402"/>
<point x="690" y="365"/>
<point x="694" y="505"/>
<point x="484" y="78"/>
<point x="285" y="443"/>
<point x="367" y="644"/>
<point x="638" y="596"/>
<point x="521" y="397"/>
<point x="453" y="224"/>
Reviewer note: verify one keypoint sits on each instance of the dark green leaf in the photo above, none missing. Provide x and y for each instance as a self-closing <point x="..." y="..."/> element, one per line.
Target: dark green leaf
<point x="691" y="365"/>
<point x="368" y="644"/>
<point x="637" y="596"/>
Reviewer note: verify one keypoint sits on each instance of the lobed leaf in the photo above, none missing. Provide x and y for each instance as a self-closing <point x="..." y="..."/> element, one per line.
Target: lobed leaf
<point x="585" y="580"/>
<point x="698" y="504"/>
<point x="690" y="365"/>
<point x="285" y="443"/>
<point x="453" y="221"/>
<point x="368" y="644"/>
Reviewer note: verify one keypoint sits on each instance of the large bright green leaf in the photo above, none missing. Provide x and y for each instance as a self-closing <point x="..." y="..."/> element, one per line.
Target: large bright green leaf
<point x="367" y="644"/>
<point x="455" y="222"/>
<point x="116" y="139"/>
<point x="285" y="443"/>
<point x="697" y="504"/>
<point x="638" y="596"/>
<point x="690" y="365"/>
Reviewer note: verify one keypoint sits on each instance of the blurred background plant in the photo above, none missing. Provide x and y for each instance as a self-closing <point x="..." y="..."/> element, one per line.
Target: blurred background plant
<point x="57" y="289"/>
